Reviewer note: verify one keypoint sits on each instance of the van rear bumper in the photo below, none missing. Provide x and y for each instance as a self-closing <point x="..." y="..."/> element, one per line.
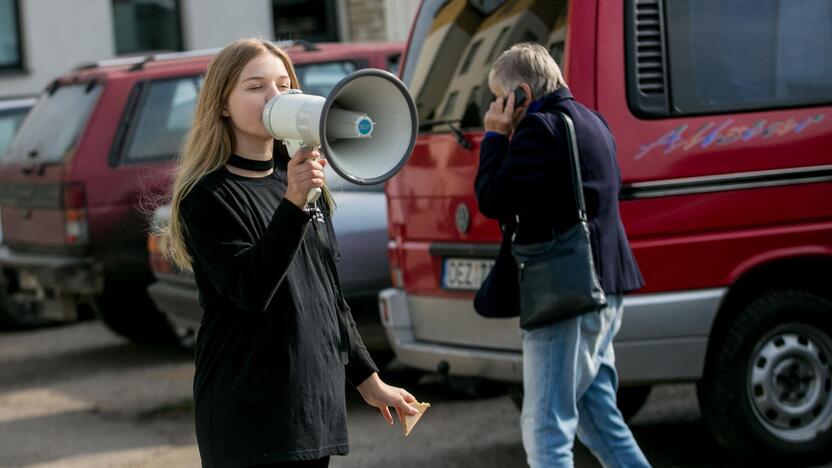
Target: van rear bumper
<point x="664" y="337"/>
<point x="58" y="273"/>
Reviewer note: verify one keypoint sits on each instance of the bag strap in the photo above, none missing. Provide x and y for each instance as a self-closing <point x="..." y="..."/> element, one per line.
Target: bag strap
<point x="575" y="162"/>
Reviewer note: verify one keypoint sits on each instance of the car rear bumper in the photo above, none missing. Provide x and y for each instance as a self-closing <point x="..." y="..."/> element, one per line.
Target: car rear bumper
<point x="62" y="274"/>
<point x="179" y="302"/>
<point x="664" y="336"/>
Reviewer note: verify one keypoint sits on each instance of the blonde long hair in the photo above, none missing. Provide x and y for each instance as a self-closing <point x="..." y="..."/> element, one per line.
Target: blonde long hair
<point x="210" y="142"/>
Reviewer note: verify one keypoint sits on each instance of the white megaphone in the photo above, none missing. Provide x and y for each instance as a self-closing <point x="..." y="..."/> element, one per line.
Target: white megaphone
<point x="366" y="127"/>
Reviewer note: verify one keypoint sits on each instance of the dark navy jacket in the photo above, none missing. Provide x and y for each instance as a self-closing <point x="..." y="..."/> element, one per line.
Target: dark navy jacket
<point x="530" y="175"/>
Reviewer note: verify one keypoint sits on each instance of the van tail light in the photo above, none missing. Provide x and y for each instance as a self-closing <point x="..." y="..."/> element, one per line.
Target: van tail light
<point x="396" y="275"/>
<point x="159" y="262"/>
<point x="76" y="229"/>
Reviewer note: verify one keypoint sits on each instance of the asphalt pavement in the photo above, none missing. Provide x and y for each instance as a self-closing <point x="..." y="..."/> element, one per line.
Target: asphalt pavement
<point x="79" y="396"/>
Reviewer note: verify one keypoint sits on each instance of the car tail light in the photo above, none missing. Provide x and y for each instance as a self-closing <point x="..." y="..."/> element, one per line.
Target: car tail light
<point x="384" y="309"/>
<point x="159" y="261"/>
<point x="76" y="229"/>
<point x="396" y="275"/>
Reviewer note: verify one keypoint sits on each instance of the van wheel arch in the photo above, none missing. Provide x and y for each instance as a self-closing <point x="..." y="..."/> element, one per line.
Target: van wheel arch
<point x="811" y="273"/>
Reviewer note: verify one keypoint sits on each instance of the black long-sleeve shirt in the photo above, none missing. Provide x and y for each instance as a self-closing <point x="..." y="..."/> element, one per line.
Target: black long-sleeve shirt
<point x="269" y="383"/>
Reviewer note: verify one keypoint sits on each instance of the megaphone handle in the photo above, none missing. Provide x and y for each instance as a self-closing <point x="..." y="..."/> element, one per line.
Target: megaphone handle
<point x="312" y="196"/>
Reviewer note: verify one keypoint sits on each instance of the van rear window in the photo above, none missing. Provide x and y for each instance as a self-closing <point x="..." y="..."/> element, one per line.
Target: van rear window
<point x="749" y="54"/>
<point x="54" y="125"/>
<point x="454" y="44"/>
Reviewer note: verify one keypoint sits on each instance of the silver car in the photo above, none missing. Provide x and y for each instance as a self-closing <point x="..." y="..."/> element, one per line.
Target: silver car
<point x="360" y="222"/>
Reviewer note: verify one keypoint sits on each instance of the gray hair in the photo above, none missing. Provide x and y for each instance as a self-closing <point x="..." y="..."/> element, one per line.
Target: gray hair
<point x="527" y="62"/>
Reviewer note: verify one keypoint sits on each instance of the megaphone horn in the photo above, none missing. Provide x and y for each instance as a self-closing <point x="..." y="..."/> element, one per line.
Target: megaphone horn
<point x="366" y="126"/>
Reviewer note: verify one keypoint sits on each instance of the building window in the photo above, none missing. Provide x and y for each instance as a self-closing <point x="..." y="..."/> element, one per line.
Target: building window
<point x="450" y="104"/>
<point x="11" y="57"/>
<point x="312" y="20"/>
<point x="472" y="52"/>
<point x="146" y="25"/>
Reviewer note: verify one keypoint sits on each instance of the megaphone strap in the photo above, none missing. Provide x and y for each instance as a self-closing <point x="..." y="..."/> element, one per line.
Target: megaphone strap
<point x="250" y="164"/>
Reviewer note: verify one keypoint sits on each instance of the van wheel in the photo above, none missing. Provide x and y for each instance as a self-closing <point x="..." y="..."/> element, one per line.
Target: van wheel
<point x="766" y="390"/>
<point x="132" y="314"/>
<point x="629" y="399"/>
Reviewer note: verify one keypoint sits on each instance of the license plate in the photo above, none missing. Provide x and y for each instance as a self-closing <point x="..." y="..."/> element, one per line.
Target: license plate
<point x="465" y="273"/>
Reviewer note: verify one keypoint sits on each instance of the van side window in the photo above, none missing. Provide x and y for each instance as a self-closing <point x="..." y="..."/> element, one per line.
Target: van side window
<point x="748" y="54"/>
<point x="163" y="119"/>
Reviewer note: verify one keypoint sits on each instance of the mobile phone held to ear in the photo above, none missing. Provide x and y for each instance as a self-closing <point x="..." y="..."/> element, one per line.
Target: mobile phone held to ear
<point x="519" y="97"/>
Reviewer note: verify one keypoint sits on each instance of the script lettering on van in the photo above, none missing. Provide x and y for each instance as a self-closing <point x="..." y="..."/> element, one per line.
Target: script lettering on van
<point x="725" y="133"/>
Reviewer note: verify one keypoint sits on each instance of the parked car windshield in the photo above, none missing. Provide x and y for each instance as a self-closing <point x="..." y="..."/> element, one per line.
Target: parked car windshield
<point x="455" y="42"/>
<point x="54" y="125"/>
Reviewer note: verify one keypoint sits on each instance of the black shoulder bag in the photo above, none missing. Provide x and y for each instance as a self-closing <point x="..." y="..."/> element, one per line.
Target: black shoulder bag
<point x="558" y="280"/>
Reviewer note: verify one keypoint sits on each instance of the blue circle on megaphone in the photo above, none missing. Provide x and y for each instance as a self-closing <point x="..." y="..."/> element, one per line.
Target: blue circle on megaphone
<point x="365" y="126"/>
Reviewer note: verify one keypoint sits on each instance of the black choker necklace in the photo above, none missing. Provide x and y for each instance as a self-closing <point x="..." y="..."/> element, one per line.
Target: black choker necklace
<point x="250" y="164"/>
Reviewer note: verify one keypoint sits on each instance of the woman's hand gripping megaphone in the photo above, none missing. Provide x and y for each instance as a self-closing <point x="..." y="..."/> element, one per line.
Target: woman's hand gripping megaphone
<point x="306" y="176"/>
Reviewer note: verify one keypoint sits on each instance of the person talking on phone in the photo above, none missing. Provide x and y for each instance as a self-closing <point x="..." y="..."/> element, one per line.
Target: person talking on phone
<point x="277" y="341"/>
<point x="569" y="375"/>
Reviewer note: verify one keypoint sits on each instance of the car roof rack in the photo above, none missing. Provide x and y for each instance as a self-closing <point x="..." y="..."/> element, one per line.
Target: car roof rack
<point x="137" y="62"/>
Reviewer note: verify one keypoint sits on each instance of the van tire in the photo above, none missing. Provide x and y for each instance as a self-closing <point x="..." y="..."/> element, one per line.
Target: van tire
<point x="132" y="314"/>
<point x="760" y="413"/>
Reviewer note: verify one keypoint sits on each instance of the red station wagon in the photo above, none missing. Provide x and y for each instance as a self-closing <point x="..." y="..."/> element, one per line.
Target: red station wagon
<point x="92" y="160"/>
<point x="722" y="114"/>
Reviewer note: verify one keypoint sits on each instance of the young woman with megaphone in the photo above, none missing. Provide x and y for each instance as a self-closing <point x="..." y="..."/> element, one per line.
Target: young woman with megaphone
<point x="277" y="340"/>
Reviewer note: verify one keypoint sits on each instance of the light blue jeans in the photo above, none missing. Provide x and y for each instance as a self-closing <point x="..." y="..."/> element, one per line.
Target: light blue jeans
<point x="569" y="383"/>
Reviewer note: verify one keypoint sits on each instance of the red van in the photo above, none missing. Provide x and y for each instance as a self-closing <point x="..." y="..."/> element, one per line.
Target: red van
<point x="82" y="175"/>
<point x="722" y="113"/>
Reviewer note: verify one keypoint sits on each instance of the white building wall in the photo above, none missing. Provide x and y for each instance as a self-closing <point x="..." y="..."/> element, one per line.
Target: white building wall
<point x="57" y="36"/>
<point x="399" y="16"/>
<point x="207" y="24"/>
